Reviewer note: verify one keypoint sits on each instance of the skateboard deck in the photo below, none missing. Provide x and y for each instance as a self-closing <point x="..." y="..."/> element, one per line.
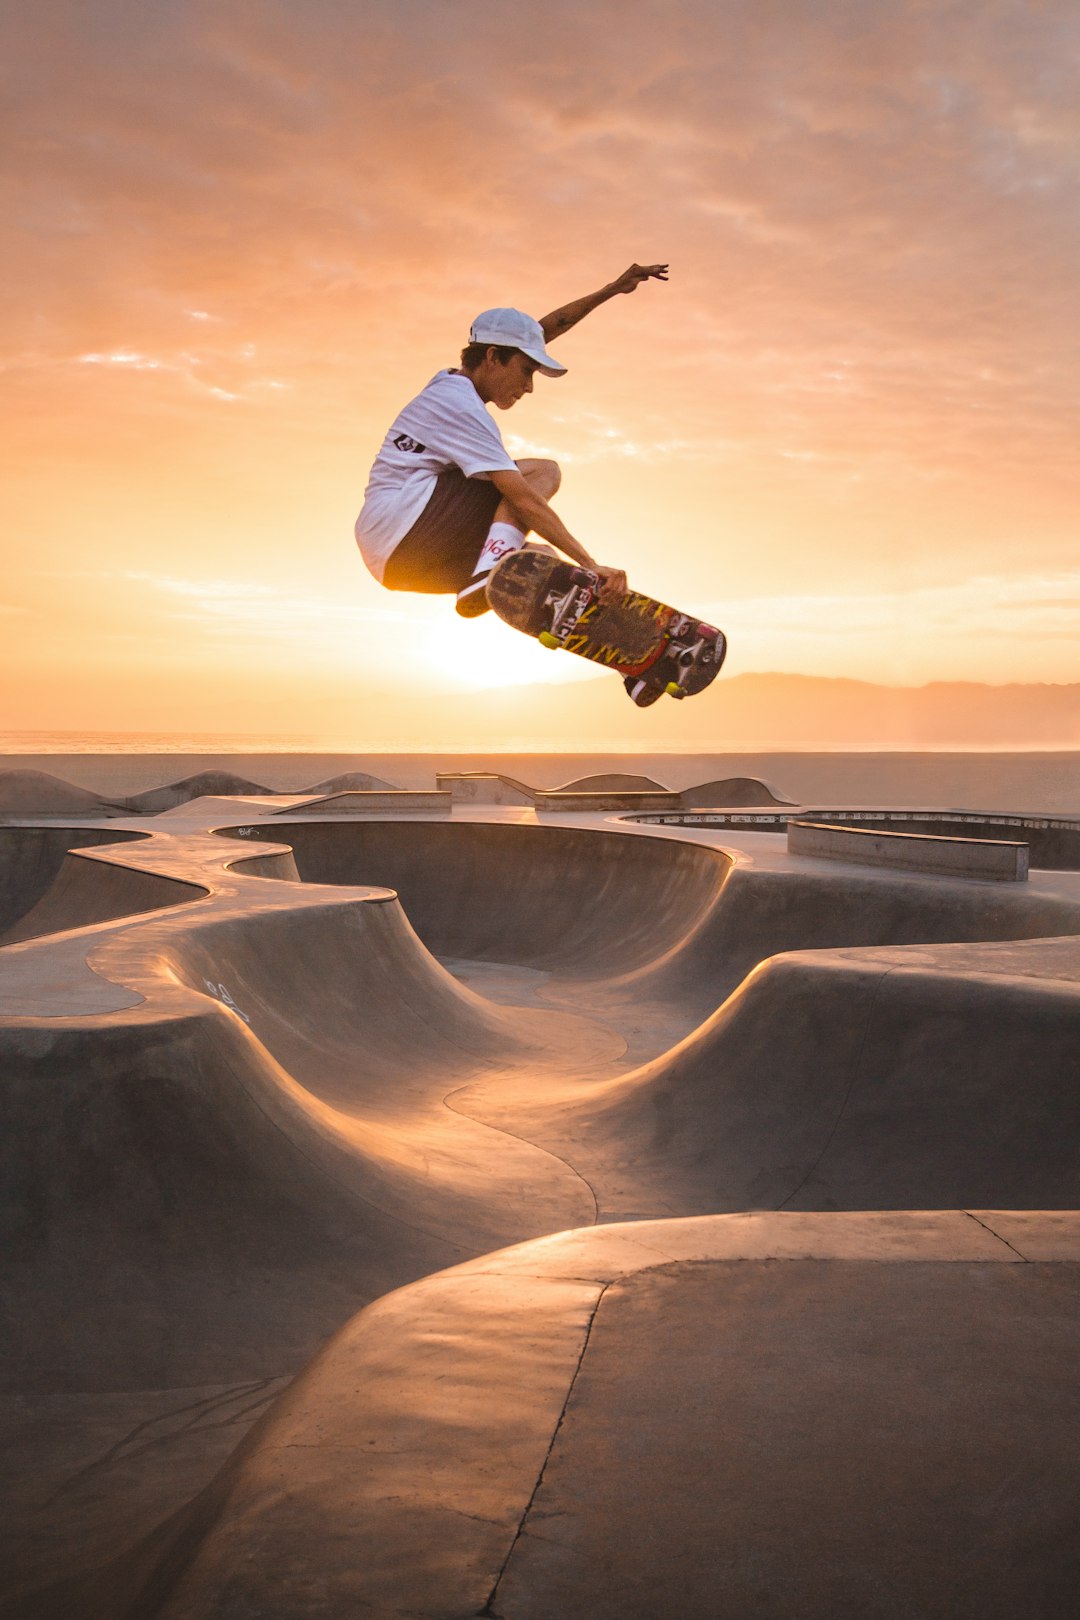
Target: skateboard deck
<point x="655" y="648"/>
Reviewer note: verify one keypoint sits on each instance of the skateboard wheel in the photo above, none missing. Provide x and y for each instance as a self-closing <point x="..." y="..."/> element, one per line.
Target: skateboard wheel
<point x="546" y="639"/>
<point x="673" y="689"/>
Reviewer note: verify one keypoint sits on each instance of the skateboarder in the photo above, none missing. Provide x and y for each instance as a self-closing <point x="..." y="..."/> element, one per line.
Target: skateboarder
<point x="444" y="500"/>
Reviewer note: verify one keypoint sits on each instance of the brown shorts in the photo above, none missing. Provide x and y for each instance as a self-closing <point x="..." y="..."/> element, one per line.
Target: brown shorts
<point x="440" y="550"/>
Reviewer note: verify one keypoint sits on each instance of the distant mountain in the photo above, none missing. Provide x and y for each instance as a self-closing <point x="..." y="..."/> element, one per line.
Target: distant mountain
<point x="815" y="711"/>
<point x="742" y="711"/>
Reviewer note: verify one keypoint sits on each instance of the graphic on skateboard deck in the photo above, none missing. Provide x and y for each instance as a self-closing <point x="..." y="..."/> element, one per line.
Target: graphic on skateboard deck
<point x="655" y="648"/>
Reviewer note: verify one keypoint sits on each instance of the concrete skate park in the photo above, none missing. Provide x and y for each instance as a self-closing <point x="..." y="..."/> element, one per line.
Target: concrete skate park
<point x="486" y="1201"/>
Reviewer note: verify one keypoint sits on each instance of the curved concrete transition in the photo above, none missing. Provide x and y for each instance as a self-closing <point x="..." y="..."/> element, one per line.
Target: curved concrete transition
<point x="29" y="793"/>
<point x="265" y="1079"/>
<point x="766" y="1415"/>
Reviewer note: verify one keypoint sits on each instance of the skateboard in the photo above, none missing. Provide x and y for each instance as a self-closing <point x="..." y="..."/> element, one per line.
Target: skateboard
<point x="656" y="649"/>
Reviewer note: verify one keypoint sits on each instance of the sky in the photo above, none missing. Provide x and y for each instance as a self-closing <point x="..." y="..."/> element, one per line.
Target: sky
<point x="238" y="236"/>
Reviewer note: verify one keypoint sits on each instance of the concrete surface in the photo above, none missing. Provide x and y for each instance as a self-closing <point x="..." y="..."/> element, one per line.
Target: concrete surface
<point x="263" y="1079"/>
<point x="771" y="1415"/>
<point x="1007" y="861"/>
<point x="367" y="801"/>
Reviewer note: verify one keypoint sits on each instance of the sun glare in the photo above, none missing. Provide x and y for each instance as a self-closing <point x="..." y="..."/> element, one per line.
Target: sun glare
<point x="481" y="653"/>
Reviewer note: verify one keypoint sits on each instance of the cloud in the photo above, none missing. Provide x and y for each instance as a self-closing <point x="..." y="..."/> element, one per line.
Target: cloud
<point x="187" y="366"/>
<point x="254" y="608"/>
<point x="868" y="210"/>
<point x="828" y="172"/>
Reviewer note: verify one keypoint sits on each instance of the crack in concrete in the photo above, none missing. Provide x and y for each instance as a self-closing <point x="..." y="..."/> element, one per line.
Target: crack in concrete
<point x="489" y="1612"/>
<point x="856" y="1067"/>
<point x="972" y="1216"/>
<point x="501" y="1130"/>
<point x="125" y="1448"/>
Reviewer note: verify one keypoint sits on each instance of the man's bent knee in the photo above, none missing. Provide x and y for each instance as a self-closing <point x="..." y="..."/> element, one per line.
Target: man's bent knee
<point x="544" y="476"/>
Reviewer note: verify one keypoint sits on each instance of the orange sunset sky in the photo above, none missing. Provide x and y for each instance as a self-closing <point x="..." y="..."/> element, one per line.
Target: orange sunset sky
<point x="240" y="234"/>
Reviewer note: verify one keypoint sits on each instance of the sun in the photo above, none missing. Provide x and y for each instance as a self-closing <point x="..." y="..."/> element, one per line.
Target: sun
<point x="473" y="654"/>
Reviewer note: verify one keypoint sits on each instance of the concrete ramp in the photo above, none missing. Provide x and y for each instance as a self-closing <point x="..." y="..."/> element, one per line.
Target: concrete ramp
<point x="205" y="784"/>
<point x="582" y="902"/>
<point x="271" y="1143"/>
<point x="31" y="858"/>
<point x="842" y="1080"/>
<point x="29" y="793"/>
<point x="91" y="889"/>
<point x="731" y="792"/>
<point x="710" y="1418"/>
<point x="613" y="782"/>
<point x="761" y="911"/>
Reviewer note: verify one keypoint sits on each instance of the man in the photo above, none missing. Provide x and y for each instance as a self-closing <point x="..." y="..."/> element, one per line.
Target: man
<point x="444" y="500"/>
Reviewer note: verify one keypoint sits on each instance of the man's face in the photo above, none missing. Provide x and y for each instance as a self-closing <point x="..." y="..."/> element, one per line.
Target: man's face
<point x="504" y="385"/>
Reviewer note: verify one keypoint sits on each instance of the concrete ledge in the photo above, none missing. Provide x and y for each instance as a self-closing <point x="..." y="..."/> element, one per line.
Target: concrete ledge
<point x="400" y="801"/>
<point x="914" y="852"/>
<point x="484" y="787"/>
<point x="560" y="799"/>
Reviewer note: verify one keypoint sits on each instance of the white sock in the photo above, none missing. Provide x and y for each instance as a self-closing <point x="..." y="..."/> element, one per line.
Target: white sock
<point x="502" y="539"/>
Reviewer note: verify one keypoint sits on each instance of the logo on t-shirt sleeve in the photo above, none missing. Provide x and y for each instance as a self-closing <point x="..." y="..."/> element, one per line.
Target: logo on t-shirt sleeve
<point x="412" y="446"/>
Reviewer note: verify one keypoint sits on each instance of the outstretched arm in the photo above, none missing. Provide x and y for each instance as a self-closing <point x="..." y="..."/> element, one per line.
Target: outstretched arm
<point x="561" y="320"/>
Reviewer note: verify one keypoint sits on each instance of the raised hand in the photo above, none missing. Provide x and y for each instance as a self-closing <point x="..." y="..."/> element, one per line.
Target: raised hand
<point x="631" y="279"/>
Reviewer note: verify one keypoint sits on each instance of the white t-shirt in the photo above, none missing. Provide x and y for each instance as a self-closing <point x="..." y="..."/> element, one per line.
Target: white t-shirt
<point x="445" y="426"/>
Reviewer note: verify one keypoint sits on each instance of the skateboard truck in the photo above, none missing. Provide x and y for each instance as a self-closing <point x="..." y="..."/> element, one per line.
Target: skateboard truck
<point x="684" y="656"/>
<point x="687" y="655"/>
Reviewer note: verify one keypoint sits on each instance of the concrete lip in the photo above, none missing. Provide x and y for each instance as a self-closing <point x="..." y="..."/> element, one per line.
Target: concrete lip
<point x="1005" y="861"/>
<point x="373" y="801"/>
<point x="260" y="1103"/>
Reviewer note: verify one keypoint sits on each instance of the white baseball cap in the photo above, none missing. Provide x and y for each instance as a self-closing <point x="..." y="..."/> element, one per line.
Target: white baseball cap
<point x="513" y="329"/>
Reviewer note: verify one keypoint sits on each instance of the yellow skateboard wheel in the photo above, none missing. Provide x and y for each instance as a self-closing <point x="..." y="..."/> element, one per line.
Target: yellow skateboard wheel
<point x="546" y="639"/>
<point x="673" y="689"/>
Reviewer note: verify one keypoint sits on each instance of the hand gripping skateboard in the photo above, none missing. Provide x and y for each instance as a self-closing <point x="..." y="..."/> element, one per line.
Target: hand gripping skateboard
<point x="655" y="648"/>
